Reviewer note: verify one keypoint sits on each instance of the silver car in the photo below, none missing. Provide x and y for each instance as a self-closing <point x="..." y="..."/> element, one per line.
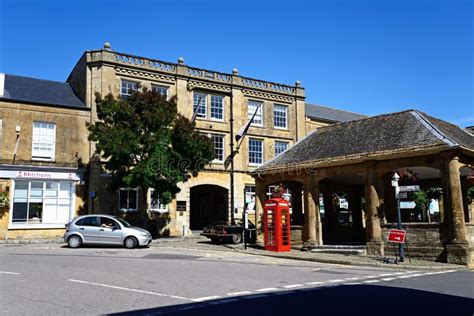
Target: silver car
<point x="104" y="229"/>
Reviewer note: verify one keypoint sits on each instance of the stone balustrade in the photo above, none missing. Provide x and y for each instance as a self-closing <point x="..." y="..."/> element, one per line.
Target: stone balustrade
<point x="218" y="77"/>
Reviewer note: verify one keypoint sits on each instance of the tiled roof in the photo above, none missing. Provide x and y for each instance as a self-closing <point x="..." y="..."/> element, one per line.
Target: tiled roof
<point x="371" y="136"/>
<point x="330" y="114"/>
<point x="34" y="90"/>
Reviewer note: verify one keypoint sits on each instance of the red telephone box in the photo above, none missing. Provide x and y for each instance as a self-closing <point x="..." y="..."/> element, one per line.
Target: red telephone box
<point x="276" y="225"/>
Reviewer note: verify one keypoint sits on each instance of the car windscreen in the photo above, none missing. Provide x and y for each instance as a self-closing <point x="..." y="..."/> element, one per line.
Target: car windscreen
<point x="123" y="222"/>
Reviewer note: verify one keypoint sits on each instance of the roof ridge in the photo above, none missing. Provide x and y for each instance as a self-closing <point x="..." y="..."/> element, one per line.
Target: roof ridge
<point x="365" y="118"/>
<point x="40" y="79"/>
<point x="336" y="109"/>
<point x="433" y="128"/>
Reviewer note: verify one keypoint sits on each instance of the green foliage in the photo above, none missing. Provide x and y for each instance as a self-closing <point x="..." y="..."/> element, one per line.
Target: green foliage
<point x="146" y="143"/>
<point x="421" y="199"/>
<point x="470" y="194"/>
<point x="4" y="199"/>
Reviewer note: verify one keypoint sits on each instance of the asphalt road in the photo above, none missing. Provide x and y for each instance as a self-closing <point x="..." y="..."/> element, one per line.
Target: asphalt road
<point x="54" y="280"/>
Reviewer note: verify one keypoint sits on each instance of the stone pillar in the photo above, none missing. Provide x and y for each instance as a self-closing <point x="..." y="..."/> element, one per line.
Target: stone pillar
<point x="260" y="197"/>
<point x="457" y="248"/>
<point x="373" y="230"/>
<point x="310" y="210"/>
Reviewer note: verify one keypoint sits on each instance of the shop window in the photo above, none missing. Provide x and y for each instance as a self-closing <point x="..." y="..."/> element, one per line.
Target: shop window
<point x="42" y="202"/>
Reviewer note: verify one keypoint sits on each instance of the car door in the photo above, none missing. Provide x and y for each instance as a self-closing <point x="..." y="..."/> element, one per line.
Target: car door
<point x="89" y="228"/>
<point x="110" y="231"/>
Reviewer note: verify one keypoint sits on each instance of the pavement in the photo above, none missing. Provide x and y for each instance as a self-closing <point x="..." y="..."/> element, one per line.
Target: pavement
<point x="201" y="243"/>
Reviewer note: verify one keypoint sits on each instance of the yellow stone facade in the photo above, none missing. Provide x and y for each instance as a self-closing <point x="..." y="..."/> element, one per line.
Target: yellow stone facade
<point x="72" y="152"/>
<point x="102" y="71"/>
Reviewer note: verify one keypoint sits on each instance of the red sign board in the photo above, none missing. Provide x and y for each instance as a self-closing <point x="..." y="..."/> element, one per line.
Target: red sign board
<point x="396" y="236"/>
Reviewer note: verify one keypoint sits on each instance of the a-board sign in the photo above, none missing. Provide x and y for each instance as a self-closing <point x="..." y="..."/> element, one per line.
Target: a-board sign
<point x="396" y="236"/>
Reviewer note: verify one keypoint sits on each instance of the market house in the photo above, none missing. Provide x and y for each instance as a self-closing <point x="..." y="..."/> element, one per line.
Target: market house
<point x="343" y="173"/>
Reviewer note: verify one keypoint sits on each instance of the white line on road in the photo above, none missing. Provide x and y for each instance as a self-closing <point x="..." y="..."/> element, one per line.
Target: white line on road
<point x="336" y="281"/>
<point x="267" y="289"/>
<point x="206" y="298"/>
<point x="6" y="272"/>
<point x="314" y="283"/>
<point x="371" y="281"/>
<point x="130" y="290"/>
<point x="239" y="293"/>
<point x="292" y="286"/>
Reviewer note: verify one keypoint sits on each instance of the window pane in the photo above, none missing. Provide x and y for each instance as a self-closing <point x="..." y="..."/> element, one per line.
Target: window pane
<point x="43" y="140"/>
<point x="280" y="147"/>
<point x="132" y="199"/>
<point x="200" y="104"/>
<point x="160" y="89"/>
<point x="255" y="151"/>
<point x="217" y="107"/>
<point x="123" y="199"/>
<point x="252" y="106"/>
<point x="218" y="141"/>
<point x="280" y="116"/>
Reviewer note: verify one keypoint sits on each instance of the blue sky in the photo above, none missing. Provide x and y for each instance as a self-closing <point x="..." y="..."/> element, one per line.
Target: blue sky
<point x="369" y="57"/>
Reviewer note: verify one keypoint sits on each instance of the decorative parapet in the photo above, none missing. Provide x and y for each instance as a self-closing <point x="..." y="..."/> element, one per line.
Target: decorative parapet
<point x="181" y="69"/>
<point x="266" y="85"/>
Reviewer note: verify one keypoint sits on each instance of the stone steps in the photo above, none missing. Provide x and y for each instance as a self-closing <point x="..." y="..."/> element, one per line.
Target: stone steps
<point x="341" y="249"/>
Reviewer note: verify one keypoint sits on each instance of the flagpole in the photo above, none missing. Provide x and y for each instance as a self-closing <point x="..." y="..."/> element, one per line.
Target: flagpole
<point x="232" y="202"/>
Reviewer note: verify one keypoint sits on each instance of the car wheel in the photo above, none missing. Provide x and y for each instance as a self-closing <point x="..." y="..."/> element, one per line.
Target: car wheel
<point x="74" y="241"/>
<point x="130" y="242"/>
<point x="236" y="238"/>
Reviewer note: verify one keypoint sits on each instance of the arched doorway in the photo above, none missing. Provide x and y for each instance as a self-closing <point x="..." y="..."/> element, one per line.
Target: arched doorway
<point x="342" y="214"/>
<point x="209" y="204"/>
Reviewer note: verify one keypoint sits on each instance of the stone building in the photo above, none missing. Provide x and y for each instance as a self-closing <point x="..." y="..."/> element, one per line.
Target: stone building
<point x="226" y="101"/>
<point x="343" y="173"/>
<point x="43" y="154"/>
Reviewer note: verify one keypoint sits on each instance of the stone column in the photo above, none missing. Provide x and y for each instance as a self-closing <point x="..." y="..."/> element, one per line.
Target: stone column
<point x="311" y="208"/>
<point x="373" y="230"/>
<point x="260" y="197"/>
<point x="457" y="249"/>
<point x="457" y="211"/>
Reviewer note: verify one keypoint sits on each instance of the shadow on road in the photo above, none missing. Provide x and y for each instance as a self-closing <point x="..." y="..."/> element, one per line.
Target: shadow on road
<point x="337" y="300"/>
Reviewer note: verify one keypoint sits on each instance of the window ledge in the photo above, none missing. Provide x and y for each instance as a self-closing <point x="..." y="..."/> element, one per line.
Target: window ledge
<point x="42" y="159"/>
<point x="36" y="226"/>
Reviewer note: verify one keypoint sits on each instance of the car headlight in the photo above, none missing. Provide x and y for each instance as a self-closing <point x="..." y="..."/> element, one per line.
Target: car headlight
<point x="144" y="234"/>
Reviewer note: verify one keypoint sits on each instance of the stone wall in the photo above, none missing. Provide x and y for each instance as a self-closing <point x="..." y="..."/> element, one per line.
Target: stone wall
<point x="423" y="241"/>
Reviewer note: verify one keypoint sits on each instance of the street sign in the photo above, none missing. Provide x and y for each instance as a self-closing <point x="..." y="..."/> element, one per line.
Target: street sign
<point x="396" y="236"/>
<point x="407" y="205"/>
<point x="402" y="195"/>
<point x="409" y="188"/>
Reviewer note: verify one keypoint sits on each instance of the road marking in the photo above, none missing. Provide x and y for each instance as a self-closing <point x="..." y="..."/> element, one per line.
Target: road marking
<point x="12" y="273"/>
<point x="335" y="281"/>
<point x="239" y="293"/>
<point x="292" y="286"/>
<point x="371" y="281"/>
<point x="206" y="298"/>
<point x="314" y="283"/>
<point x="130" y="290"/>
<point x="353" y="279"/>
<point x="267" y="289"/>
<point x="388" y="279"/>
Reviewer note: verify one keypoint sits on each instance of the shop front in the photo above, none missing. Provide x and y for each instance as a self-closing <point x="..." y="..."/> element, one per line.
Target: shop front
<point x="40" y="202"/>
